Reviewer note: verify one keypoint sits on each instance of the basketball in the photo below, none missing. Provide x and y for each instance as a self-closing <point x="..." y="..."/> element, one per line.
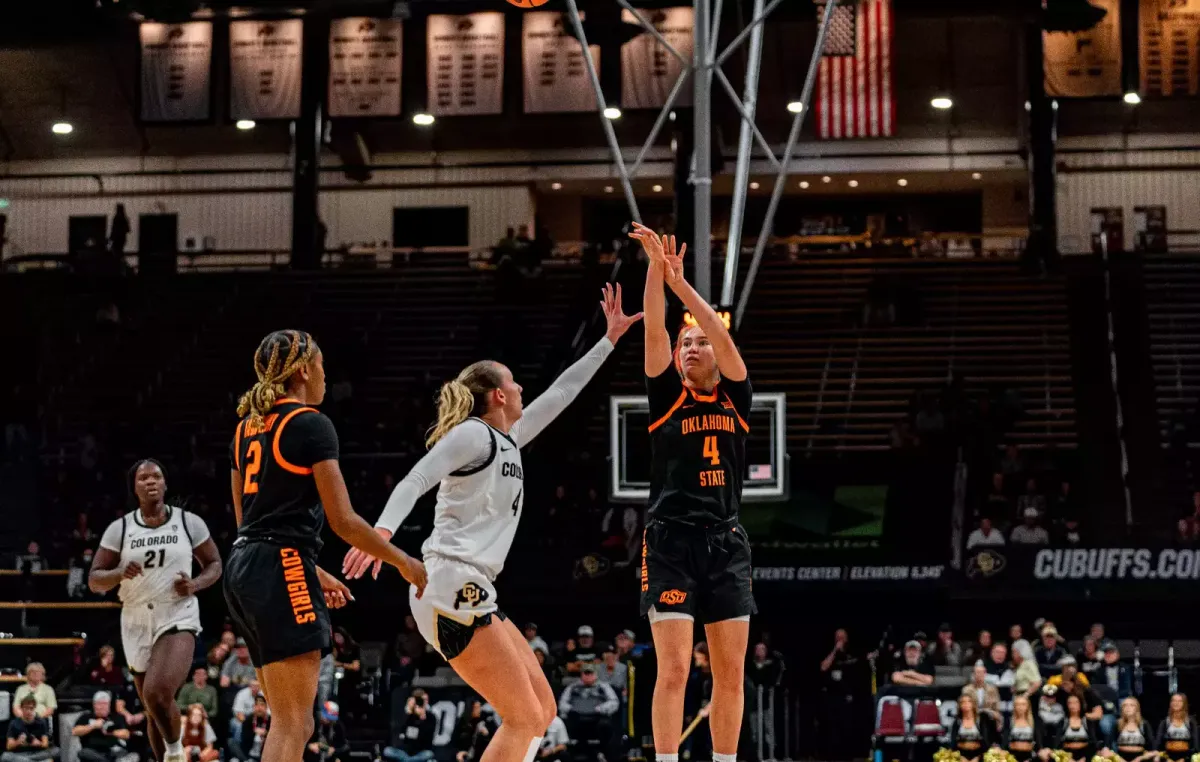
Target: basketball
<point x="527" y="3"/>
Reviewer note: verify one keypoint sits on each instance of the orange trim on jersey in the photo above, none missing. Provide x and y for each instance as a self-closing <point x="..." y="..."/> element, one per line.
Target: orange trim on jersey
<point x="237" y="445"/>
<point x="701" y="398"/>
<point x="299" y="470"/>
<point x="678" y="403"/>
<point x="286" y="400"/>
<point x="736" y="415"/>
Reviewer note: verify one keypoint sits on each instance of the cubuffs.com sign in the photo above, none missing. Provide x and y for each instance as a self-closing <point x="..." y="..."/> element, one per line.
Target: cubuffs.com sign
<point x="1052" y="569"/>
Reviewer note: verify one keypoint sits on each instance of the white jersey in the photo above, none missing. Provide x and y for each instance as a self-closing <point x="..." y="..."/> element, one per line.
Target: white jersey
<point x="163" y="552"/>
<point x="481" y="477"/>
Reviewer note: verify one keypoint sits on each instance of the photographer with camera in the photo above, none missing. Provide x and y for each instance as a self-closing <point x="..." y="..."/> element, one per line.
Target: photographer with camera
<point x="474" y="732"/>
<point x="414" y="742"/>
<point x="328" y="742"/>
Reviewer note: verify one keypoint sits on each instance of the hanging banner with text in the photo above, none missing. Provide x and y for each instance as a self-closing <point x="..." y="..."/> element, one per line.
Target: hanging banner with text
<point x="904" y="575"/>
<point x="554" y="66"/>
<point x="1170" y="47"/>
<point x="1085" y="64"/>
<point x="365" y="59"/>
<point x="265" y="69"/>
<point x="1051" y="572"/>
<point x="465" y="68"/>
<point x="649" y="70"/>
<point x="176" y="71"/>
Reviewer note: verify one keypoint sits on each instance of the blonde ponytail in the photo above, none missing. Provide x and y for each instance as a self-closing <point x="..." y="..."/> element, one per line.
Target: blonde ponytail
<point x="273" y="369"/>
<point x="463" y="397"/>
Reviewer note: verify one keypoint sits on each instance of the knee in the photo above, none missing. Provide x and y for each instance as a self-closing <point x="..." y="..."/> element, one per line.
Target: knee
<point x="159" y="696"/>
<point x="549" y="712"/>
<point x="672" y="674"/>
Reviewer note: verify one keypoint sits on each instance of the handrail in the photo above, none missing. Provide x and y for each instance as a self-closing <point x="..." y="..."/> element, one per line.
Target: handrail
<point x="65" y="605"/>
<point x="820" y="406"/>
<point x="41" y="573"/>
<point x="42" y="641"/>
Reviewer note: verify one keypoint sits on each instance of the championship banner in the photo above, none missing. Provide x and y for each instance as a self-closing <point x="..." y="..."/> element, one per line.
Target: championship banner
<point x="648" y="70"/>
<point x="364" y="67"/>
<point x="1085" y="64"/>
<point x="554" y="66"/>
<point x="854" y="96"/>
<point x="1053" y="572"/>
<point x="176" y="71"/>
<point x="465" y="69"/>
<point x="265" y="69"/>
<point x="1170" y="47"/>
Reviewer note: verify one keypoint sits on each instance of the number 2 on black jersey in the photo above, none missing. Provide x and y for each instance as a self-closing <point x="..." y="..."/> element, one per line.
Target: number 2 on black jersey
<point x="711" y="452"/>
<point x="155" y="558"/>
<point x="253" y="464"/>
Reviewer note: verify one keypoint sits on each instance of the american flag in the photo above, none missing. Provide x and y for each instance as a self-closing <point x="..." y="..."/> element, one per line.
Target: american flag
<point x="854" y="97"/>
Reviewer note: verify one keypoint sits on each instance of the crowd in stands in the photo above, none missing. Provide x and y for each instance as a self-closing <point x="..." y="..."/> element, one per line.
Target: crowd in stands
<point x="1027" y="502"/>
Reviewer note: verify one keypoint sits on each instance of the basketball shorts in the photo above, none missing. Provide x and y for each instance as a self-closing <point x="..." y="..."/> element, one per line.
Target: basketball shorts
<point x="142" y="624"/>
<point x="275" y="600"/>
<point x="458" y="600"/>
<point x="696" y="573"/>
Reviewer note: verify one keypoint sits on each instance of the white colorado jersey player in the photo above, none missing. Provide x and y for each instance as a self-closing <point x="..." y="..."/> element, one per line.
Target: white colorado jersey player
<point x="163" y="552"/>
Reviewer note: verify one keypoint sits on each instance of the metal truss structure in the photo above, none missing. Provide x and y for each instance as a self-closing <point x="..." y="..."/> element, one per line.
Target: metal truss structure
<point x="704" y="67"/>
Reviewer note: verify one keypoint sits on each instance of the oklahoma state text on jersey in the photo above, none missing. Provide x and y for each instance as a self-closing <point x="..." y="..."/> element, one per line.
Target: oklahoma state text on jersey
<point x="698" y="449"/>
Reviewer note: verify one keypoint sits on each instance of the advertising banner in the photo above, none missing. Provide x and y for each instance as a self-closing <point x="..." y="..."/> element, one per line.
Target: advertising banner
<point x="1113" y="572"/>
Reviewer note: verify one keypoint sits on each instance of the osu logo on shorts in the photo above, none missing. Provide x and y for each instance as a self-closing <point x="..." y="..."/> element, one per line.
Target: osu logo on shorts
<point x="470" y="594"/>
<point x="672" y="597"/>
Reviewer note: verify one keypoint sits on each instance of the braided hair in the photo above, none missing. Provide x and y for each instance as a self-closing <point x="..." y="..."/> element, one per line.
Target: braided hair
<point x="276" y="360"/>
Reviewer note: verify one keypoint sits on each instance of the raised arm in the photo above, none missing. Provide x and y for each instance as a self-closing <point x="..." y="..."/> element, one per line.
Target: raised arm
<point x="543" y="410"/>
<point x="654" y="302"/>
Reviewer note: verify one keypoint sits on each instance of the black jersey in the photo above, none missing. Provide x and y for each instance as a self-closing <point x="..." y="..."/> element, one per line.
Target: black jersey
<point x="698" y="449"/>
<point x="275" y="458"/>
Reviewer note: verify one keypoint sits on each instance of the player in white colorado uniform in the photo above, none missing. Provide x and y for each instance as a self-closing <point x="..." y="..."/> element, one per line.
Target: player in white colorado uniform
<point x="476" y="459"/>
<point x="148" y="552"/>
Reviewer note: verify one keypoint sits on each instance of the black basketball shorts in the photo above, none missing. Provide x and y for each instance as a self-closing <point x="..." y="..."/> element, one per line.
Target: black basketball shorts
<point x="275" y="600"/>
<point x="700" y="573"/>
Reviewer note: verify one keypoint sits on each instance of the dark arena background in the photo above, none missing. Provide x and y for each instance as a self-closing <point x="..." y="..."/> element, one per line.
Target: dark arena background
<point x="958" y="244"/>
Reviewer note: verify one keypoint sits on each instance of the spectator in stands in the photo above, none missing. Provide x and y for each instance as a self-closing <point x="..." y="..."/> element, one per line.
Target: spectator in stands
<point x="1031" y="499"/>
<point x="243" y="707"/>
<point x="1064" y="501"/>
<point x="1000" y="672"/>
<point x="1096" y="632"/>
<point x="986" y="695"/>
<point x="198" y="737"/>
<point x="31" y="560"/>
<point x="215" y="662"/>
<point x="28" y="735"/>
<point x="583" y="651"/>
<point x="914" y="671"/>
<point x="238" y="671"/>
<point x="415" y="742"/>
<point x="102" y="735"/>
<point x="1049" y="652"/>
<point x="841" y="672"/>
<point x="1012" y="466"/>
<point x="1030" y="533"/>
<point x="328" y="743"/>
<point x="625" y="641"/>
<point x="980" y="649"/>
<point x="1051" y="714"/>
<point x="1133" y="741"/>
<point x="254" y="733"/>
<point x="1015" y="633"/>
<point x="106" y="672"/>
<point x="347" y="657"/>
<point x="1069" y="533"/>
<point x="997" y="504"/>
<point x="554" y="744"/>
<point x="198" y="691"/>
<point x="1078" y="735"/>
<point x="120" y="232"/>
<point x="613" y="672"/>
<point x="474" y="732"/>
<point x="945" y="652"/>
<point x="1177" y="733"/>
<point x="1023" y="738"/>
<point x="35" y="685"/>
<point x="410" y="647"/>
<point x="971" y="735"/>
<point x="1112" y="673"/>
<point x="77" y="573"/>
<point x="985" y="536"/>
<point x="1089" y="658"/>
<point x="587" y="707"/>
<point x="1068" y="674"/>
<point x="1027" y="678"/>
<point x="534" y="640"/>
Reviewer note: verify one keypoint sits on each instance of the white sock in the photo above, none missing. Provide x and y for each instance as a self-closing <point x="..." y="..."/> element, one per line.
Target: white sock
<point x="175" y="748"/>
<point x="724" y="757"/>
<point x="666" y="757"/>
<point x="534" y="745"/>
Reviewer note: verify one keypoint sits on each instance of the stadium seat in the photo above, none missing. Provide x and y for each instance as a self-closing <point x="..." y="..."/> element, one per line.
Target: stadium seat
<point x="1187" y="650"/>
<point x="891" y="720"/>
<point x="1153" y="651"/>
<point x="927" y="722"/>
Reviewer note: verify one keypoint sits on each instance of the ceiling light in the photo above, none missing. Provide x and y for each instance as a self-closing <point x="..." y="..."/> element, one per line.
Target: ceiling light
<point x="941" y="103"/>
<point x="608" y="189"/>
<point x="853" y="183"/>
<point x="753" y="186"/>
<point x="902" y="182"/>
<point x="245" y="124"/>
<point x="423" y="119"/>
<point x="657" y="189"/>
<point x="555" y="186"/>
<point x="826" y="179"/>
<point x="612" y="113"/>
<point x="1132" y="98"/>
<point x="976" y="176"/>
<point x="803" y="184"/>
<point x="62" y="128"/>
<point x="795" y="107"/>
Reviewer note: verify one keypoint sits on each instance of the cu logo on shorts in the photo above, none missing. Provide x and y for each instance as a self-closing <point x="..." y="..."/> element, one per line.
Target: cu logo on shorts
<point x="471" y="594"/>
<point x="672" y="597"/>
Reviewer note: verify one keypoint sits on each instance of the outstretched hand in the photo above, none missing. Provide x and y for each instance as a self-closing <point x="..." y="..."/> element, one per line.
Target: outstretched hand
<point x="662" y="251"/>
<point x="618" y="321"/>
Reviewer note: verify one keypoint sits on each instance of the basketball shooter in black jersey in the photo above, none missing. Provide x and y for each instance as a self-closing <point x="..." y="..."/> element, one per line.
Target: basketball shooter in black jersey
<point x="285" y="480"/>
<point x="695" y="556"/>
